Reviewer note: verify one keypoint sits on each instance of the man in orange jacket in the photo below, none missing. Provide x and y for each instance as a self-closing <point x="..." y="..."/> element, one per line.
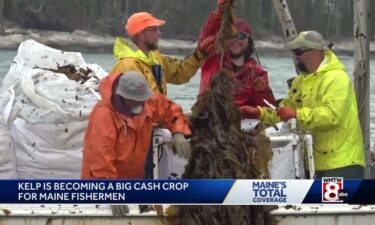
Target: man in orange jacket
<point x="120" y="126"/>
<point x="119" y="131"/>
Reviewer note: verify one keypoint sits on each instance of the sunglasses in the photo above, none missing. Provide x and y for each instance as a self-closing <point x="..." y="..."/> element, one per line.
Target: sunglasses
<point x="241" y="36"/>
<point x="152" y="29"/>
<point x="299" y="52"/>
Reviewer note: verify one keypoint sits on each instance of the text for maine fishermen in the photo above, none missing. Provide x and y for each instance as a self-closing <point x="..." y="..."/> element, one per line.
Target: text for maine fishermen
<point x="89" y="191"/>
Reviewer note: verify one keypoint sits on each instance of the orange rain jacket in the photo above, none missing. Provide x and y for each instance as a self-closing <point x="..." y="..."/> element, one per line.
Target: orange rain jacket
<point x="115" y="145"/>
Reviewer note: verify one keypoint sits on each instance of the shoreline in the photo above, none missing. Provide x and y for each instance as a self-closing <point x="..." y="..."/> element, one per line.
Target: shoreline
<point x="84" y="41"/>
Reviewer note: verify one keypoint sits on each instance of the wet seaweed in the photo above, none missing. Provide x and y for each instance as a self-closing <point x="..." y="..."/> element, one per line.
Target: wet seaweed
<point x="227" y="29"/>
<point x="220" y="150"/>
<point x="81" y="75"/>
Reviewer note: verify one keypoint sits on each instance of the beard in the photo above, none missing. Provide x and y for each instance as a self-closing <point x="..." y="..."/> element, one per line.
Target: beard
<point x="136" y="110"/>
<point x="301" y="67"/>
<point x="152" y="46"/>
<point x="236" y="55"/>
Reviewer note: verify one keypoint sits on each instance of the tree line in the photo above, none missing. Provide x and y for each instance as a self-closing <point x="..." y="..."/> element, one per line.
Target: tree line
<point x="333" y="18"/>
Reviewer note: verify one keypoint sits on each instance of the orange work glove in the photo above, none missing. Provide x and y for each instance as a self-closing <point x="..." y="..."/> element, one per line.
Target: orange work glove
<point x="249" y="112"/>
<point x="207" y="45"/>
<point x="286" y="113"/>
<point x="259" y="84"/>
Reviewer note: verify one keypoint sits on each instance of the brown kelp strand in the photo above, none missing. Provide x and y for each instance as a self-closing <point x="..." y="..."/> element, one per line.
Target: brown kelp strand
<point x="220" y="150"/>
<point x="81" y="75"/>
<point x="227" y="29"/>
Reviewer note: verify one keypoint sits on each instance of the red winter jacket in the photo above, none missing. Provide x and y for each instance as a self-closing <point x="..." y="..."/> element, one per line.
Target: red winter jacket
<point x="244" y="75"/>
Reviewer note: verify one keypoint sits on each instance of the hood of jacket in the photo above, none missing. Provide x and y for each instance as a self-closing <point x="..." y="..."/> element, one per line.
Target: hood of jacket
<point x="330" y="62"/>
<point x="106" y="86"/>
<point x="123" y="49"/>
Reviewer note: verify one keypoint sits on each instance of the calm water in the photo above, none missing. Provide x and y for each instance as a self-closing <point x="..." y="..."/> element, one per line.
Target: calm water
<point x="279" y="68"/>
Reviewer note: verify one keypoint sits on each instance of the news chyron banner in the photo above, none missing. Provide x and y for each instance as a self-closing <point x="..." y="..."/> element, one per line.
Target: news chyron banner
<point x="205" y="191"/>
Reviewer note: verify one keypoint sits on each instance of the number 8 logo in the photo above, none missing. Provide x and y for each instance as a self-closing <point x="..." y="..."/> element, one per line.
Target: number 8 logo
<point x="331" y="192"/>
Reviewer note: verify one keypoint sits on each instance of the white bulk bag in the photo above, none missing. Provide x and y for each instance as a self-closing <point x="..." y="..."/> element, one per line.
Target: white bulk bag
<point x="7" y="157"/>
<point x="52" y="111"/>
<point x="48" y="150"/>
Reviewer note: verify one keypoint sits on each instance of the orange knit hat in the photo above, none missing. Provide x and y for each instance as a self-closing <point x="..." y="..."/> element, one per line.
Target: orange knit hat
<point x="141" y="20"/>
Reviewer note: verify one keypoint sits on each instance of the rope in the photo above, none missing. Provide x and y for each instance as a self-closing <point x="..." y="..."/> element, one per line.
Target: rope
<point x="331" y="15"/>
<point x="361" y="71"/>
<point x="256" y="54"/>
<point x="221" y="59"/>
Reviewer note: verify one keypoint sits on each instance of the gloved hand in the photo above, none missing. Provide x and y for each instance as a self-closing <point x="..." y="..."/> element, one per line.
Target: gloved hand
<point x="286" y="113"/>
<point x="373" y="156"/>
<point x="220" y="2"/>
<point x="207" y="45"/>
<point x="181" y="146"/>
<point x="259" y="84"/>
<point x="119" y="210"/>
<point x="249" y="112"/>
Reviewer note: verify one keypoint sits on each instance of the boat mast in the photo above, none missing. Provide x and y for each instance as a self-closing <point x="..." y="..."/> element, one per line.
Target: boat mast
<point x="361" y="72"/>
<point x="287" y="24"/>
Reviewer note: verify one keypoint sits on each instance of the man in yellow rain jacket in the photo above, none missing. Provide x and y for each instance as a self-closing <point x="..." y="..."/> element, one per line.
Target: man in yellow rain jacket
<point x="323" y="101"/>
<point x="142" y="54"/>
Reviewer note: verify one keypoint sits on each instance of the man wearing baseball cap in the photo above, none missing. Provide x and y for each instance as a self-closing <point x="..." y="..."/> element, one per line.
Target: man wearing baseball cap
<point x="142" y="54"/>
<point x="322" y="100"/>
<point x="250" y="78"/>
<point x="119" y="131"/>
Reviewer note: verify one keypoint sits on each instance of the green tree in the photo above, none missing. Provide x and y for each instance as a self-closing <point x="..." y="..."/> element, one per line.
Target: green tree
<point x="1" y="11"/>
<point x="333" y="18"/>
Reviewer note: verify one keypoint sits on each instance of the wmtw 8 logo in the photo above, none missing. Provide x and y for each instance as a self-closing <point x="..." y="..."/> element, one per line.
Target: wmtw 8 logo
<point x="333" y="189"/>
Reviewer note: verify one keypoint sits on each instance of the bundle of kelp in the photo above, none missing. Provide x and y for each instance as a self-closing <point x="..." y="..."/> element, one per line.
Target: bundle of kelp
<point x="220" y="150"/>
<point x="227" y="29"/>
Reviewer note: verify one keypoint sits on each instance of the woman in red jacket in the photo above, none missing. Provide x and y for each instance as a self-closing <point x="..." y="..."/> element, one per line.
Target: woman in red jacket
<point x="250" y="78"/>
